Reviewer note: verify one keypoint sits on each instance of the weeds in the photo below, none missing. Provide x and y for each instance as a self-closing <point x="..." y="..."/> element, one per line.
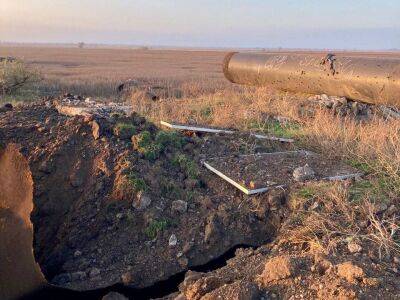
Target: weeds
<point x="170" y="190"/>
<point x="338" y="217"/>
<point x="187" y="165"/>
<point x="17" y="81"/>
<point x="144" y="144"/>
<point x="169" y="138"/>
<point x="151" y="149"/>
<point x="125" y="130"/>
<point x="287" y="130"/>
<point x="155" y="227"/>
<point x="135" y="184"/>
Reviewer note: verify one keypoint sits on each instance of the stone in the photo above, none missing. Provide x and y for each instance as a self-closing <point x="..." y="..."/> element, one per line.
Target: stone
<point x="303" y="173"/>
<point x="179" y="206"/>
<point x="95" y="130"/>
<point x="62" y="278"/>
<point x="126" y="278"/>
<point x="94" y="272"/>
<point x="354" y="247"/>
<point x="197" y="288"/>
<point x="183" y="262"/>
<point x="114" y="296"/>
<point x="77" y="253"/>
<point x="142" y="201"/>
<point x="212" y="229"/>
<point x="277" y="268"/>
<point x="76" y="180"/>
<point x="350" y="272"/>
<point x="173" y="240"/>
<point x="78" y="276"/>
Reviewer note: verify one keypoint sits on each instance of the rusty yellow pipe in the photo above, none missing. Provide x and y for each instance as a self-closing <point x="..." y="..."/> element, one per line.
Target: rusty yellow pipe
<point x="366" y="78"/>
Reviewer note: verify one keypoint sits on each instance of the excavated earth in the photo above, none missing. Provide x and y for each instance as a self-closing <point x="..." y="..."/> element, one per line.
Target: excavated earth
<point x="105" y="214"/>
<point x="89" y="233"/>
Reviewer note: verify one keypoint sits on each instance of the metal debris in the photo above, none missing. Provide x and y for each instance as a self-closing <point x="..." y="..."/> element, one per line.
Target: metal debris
<point x="215" y="130"/>
<point x="258" y="173"/>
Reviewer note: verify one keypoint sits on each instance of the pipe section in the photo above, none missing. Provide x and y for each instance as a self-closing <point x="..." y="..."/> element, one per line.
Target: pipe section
<point x="370" y="79"/>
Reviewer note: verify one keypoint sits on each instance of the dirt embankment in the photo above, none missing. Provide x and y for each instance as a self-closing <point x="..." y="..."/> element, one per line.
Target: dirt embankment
<point x="107" y="211"/>
<point x="117" y="200"/>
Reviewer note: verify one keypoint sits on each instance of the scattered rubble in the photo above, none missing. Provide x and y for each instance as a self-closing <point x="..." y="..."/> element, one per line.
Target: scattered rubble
<point x="258" y="173"/>
<point x="303" y="173"/>
<point x="179" y="206"/>
<point x="344" y="107"/>
<point x="350" y="272"/>
<point x="172" y="240"/>
<point x="277" y="268"/>
<point x="109" y="208"/>
<point x="101" y="205"/>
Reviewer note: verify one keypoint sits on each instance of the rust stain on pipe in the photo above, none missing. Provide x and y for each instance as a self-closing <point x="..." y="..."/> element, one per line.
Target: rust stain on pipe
<point x="369" y="79"/>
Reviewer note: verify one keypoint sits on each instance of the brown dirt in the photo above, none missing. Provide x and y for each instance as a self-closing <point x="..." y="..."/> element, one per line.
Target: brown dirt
<point x="274" y="272"/>
<point x="255" y="171"/>
<point x="86" y="237"/>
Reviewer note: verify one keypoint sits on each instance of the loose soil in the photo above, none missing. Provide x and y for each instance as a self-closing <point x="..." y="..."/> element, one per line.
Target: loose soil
<point x="276" y="169"/>
<point x="88" y="235"/>
<point x="105" y="214"/>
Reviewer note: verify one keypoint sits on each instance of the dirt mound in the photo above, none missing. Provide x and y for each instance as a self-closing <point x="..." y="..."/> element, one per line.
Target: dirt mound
<point x="278" y="273"/>
<point x="117" y="200"/>
<point x="108" y="210"/>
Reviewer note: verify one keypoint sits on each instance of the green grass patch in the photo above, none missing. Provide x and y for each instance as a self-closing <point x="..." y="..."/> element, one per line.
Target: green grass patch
<point x="136" y="183"/>
<point x="169" y="138"/>
<point x="362" y="166"/>
<point x="169" y="189"/>
<point x="380" y="189"/>
<point x="151" y="148"/>
<point x="155" y="227"/>
<point x="306" y="193"/>
<point x="124" y="130"/>
<point x="187" y="165"/>
<point x="206" y="112"/>
<point x="288" y="130"/>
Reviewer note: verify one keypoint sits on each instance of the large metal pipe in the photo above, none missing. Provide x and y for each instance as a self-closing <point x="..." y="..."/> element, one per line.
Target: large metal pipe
<point x="370" y="79"/>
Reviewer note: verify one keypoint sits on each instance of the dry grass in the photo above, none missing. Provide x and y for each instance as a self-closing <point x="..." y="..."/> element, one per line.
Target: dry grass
<point x="372" y="146"/>
<point x="206" y="98"/>
<point x="327" y="218"/>
<point x="97" y="72"/>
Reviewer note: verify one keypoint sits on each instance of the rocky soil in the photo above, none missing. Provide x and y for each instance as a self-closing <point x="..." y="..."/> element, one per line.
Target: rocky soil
<point x="109" y="209"/>
<point x="120" y="201"/>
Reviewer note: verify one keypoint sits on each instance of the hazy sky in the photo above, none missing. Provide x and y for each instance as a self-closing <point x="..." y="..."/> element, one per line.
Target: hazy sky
<point x="351" y="24"/>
